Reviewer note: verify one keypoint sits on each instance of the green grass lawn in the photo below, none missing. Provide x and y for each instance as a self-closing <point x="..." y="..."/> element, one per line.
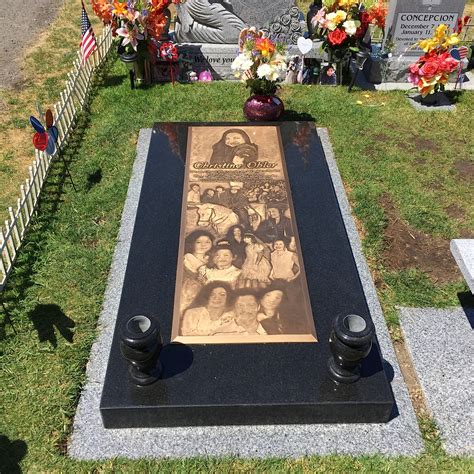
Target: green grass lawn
<point x="401" y="167"/>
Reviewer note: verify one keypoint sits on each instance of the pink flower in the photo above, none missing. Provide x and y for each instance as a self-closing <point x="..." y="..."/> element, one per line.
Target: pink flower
<point x="130" y="36"/>
<point x="318" y="17"/>
<point x="414" y="68"/>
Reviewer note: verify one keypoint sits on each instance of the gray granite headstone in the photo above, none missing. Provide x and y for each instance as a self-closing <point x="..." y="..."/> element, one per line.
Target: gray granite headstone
<point x="220" y="21"/>
<point x="409" y="21"/>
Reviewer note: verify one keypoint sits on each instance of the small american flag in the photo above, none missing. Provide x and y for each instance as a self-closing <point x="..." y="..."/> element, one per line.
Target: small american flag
<point x="463" y="50"/>
<point x="88" y="43"/>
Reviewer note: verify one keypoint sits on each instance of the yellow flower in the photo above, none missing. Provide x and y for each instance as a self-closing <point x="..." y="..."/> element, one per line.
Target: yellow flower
<point x="347" y="4"/>
<point x="440" y="31"/>
<point x="451" y="40"/>
<point x="428" y="45"/>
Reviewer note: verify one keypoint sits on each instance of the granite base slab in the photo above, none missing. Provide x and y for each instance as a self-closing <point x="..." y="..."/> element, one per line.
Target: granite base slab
<point x="90" y="440"/>
<point x="440" y="342"/>
<point x="463" y="253"/>
<point x="443" y="104"/>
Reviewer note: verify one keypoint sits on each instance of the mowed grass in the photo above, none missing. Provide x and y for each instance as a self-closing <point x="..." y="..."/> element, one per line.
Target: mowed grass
<point x="56" y="291"/>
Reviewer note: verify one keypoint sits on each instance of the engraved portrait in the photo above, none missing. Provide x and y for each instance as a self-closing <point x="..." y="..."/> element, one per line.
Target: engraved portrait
<point x="240" y="275"/>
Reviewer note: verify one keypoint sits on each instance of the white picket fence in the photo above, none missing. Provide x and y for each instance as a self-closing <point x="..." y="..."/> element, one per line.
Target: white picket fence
<point x="71" y="102"/>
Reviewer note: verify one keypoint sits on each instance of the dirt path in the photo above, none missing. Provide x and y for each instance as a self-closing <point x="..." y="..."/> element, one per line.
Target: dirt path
<point x="21" y="22"/>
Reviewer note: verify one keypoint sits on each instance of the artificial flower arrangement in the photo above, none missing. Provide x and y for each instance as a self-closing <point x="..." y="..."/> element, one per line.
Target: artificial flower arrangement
<point x="260" y="62"/>
<point x="135" y="21"/>
<point x="431" y="71"/>
<point x="342" y="24"/>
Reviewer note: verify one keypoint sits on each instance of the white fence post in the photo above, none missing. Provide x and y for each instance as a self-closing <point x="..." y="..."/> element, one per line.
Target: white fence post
<point x="65" y="111"/>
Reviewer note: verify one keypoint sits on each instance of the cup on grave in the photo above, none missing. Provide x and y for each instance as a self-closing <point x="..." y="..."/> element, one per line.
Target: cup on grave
<point x="350" y="342"/>
<point x="141" y="345"/>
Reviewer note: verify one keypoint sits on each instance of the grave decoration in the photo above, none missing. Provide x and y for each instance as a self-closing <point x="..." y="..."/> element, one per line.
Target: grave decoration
<point x="408" y="22"/>
<point x="431" y="71"/>
<point x="260" y="64"/>
<point x="45" y="139"/>
<point x="343" y="28"/>
<point x="241" y="301"/>
<point x="141" y="25"/>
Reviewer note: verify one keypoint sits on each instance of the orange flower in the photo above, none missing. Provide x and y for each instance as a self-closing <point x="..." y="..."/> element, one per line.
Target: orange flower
<point x="265" y="46"/>
<point x="156" y="23"/>
<point x="120" y="8"/>
<point x="103" y="9"/>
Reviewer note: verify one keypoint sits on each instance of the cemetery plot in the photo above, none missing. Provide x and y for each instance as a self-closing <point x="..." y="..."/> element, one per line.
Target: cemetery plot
<point x="246" y="381"/>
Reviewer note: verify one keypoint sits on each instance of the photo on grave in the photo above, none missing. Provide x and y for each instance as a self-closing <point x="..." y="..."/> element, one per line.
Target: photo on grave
<point x="240" y="276"/>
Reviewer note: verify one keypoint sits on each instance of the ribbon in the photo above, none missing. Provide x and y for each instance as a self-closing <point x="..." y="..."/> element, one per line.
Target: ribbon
<point x="169" y="52"/>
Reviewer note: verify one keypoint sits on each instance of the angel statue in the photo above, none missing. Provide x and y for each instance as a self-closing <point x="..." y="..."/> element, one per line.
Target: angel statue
<point x="207" y="21"/>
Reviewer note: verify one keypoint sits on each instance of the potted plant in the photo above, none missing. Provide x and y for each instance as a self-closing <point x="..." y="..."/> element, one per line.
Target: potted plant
<point x="431" y="71"/>
<point x="260" y="64"/>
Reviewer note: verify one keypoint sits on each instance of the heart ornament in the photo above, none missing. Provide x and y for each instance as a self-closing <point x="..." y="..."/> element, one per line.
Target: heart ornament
<point x="305" y="45"/>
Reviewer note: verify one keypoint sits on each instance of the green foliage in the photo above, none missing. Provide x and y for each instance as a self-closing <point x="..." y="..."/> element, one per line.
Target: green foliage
<point x="64" y="263"/>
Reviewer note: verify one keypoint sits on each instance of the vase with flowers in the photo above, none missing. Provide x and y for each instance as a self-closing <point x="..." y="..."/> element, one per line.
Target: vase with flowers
<point x="260" y="64"/>
<point x="431" y="71"/>
<point x="343" y="28"/>
<point x="140" y="25"/>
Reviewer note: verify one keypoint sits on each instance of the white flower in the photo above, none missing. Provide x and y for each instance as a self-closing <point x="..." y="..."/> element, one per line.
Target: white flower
<point x="267" y="71"/>
<point x="351" y="26"/>
<point x="333" y="19"/>
<point x="242" y="62"/>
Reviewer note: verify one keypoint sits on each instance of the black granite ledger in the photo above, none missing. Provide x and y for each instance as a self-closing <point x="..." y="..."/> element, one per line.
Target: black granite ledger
<point x="220" y="384"/>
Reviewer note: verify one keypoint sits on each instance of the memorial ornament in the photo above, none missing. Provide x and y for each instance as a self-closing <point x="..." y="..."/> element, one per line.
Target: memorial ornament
<point x="45" y="138"/>
<point x="260" y="64"/>
<point x="343" y="28"/>
<point x="138" y="24"/>
<point x="430" y="73"/>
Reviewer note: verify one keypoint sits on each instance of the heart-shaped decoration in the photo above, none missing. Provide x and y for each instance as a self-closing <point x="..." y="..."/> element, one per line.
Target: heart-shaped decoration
<point x="305" y="45"/>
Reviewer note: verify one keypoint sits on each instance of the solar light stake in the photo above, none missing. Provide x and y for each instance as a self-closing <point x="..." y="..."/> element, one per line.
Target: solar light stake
<point x="141" y="344"/>
<point x="350" y="342"/>
<point x="360" y="59"/>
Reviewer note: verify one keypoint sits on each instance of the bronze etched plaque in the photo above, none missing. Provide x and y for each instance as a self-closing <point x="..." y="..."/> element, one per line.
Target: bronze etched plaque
<point x="240" y="276"/>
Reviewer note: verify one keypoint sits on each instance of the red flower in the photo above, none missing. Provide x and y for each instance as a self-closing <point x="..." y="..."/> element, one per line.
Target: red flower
<point x="337" y="37"/>
<point x="429" y="69"/>
<point x="364" y="18"/>
<point x="361" y="30"/>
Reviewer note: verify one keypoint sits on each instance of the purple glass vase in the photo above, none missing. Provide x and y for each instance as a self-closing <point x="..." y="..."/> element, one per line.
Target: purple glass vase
<point x="263" y="108"/>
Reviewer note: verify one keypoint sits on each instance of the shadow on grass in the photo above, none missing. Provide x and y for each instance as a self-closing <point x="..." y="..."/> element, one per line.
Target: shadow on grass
<point x="52" y="195"/>
<point x="291" y="115"/>
<point x="11" y="453"/>
<point x="48" y="317"/>
<point x="94" y="178"/>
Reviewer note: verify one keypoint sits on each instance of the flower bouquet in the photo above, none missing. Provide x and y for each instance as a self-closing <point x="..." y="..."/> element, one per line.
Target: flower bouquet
<point x="260" y="64"/>
<point x="140" y="24"/>
<point x="342" y="26"/>
<point x="431" y="71"/>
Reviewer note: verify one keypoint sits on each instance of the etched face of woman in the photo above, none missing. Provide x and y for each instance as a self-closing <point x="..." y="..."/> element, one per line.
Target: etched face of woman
<point x="247" y="240"/>
<point x="217" y="298"/>
<point x="202" y="244"/>
<point x="271" y="300"/>
<point x="210" y="192"/>
<point x="234" y="139"/>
